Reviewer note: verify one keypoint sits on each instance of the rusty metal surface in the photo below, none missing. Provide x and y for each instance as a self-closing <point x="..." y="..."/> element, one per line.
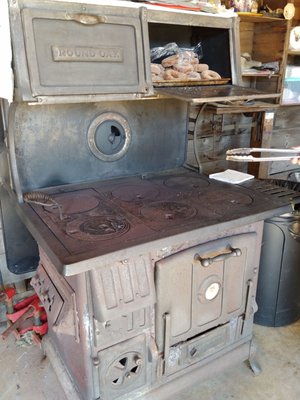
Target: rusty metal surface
<point x="212" y="93"/>
<point x="52" y="142"/>
<point x="203" y="82"/>
<point x="118" y="352"/>
<point x="205" y="296"/>
<point x="145" y="278"/>
<point x="108" y="217"/>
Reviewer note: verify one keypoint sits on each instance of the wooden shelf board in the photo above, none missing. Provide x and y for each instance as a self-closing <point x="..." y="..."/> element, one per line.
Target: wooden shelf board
<point x="256" y="106"/>
<point x="292" y="103"/>
<point x="258" y="75"/>
<point x="248" y="17"/>
<point x="293" y="52"/>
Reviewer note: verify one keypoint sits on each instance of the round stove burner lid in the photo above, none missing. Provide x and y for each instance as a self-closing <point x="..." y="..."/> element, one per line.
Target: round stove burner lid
<point x="98" y="227"/>
<point x="76" y="203"/>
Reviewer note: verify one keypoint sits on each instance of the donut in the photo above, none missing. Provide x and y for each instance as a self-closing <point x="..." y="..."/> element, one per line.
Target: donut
<point x="172" y="75"/>
<point x="208" y="74"/>
<point x="200" y="67"/>
<point x="194" y="60"/>
<point x="189" y="57"/>
<point x="170" y="61"/>
<point x="157" y="69"/>
<point x="183" y="67"/>
<point x="156" y="78"/>
<point x="188" y="54"/>
<point x="193" y="76"/>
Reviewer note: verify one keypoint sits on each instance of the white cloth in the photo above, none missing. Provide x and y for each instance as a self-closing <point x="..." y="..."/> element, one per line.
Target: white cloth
<point x="231" y="176"/>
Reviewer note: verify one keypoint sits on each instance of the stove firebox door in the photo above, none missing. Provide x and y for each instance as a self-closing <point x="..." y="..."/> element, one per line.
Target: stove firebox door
<point x="204" y="286"/>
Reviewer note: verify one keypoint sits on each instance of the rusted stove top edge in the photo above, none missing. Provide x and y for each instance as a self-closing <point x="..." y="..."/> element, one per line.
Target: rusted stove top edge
<point x="163" y="244"/>
<point x="69" y="265"/>
<point x="163" y="247"/>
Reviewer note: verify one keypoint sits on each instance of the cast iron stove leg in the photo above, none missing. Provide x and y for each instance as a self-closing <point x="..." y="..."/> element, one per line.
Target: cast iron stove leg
<point x="253" y="363"/>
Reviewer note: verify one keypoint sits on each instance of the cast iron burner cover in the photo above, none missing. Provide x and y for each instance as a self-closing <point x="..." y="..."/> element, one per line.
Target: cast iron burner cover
<point x="224" y="199"/>
<point x="168" y="210"/>
<point x="73" y="204"/>
<point x="186" y="184"/>
<point x="97" y="228"/>
<point x="135" y="192"/>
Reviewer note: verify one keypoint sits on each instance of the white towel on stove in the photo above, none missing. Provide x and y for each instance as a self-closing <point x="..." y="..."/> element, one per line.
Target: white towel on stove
<point x="231" y="176"/>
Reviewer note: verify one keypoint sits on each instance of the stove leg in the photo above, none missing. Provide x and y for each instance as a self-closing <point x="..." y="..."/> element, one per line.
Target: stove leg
<point x="253" y="363"/>
<point x="59" y="368"/>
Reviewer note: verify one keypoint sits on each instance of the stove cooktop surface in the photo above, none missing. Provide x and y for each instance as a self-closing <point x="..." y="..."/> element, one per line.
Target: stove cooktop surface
<point x="104" y="217"/>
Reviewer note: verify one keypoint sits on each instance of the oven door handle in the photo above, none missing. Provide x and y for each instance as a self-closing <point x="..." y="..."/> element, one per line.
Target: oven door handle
<point x="206" y="262"/>
<point x="87" y="19"/>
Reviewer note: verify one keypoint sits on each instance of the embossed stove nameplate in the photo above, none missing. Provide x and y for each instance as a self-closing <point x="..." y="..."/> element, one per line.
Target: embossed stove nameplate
<point x="110" y="54"/>
<point x="68" y="57"/>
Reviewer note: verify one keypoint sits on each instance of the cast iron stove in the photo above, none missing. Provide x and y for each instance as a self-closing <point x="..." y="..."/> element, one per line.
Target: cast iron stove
<point x="147" y="270"/>
<point x="146" y="278"/>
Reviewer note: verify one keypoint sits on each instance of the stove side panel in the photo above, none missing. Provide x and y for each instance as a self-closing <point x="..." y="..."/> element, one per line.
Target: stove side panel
<point x="70" y="332"/>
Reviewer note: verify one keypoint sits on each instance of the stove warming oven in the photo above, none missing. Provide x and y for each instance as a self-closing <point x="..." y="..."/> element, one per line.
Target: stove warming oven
<point x="147" y="270"/>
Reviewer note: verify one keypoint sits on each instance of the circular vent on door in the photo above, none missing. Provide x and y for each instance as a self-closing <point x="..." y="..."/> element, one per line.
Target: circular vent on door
<point x="124" y="370"/>
<point x="109" y="136"/>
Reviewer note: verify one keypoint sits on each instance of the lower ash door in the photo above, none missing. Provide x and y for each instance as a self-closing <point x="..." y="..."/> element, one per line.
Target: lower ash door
<point x="124" y="368"/>
<point x="202" y="287"/>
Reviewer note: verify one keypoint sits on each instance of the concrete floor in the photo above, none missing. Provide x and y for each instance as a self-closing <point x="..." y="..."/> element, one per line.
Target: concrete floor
<point x="25" y="374"/>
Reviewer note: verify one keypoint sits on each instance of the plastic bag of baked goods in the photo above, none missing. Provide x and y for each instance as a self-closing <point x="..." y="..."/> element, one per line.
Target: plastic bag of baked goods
<point x="196" y="50"/>
<point x="174" y="63"/>
<point x="158" y="54"/>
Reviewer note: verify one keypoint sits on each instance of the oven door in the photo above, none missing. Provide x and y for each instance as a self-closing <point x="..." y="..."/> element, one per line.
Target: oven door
<point x="203" y="287"/>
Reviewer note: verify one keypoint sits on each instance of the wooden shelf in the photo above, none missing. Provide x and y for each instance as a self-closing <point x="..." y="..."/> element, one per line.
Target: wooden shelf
<point x="286" y="104"/>
<point x="245" y="107"/>
<point x="260" y="18"/>
<point x="293" y="52"/>
<point x="259" y="75"/>
<point x="266" y="39"/>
